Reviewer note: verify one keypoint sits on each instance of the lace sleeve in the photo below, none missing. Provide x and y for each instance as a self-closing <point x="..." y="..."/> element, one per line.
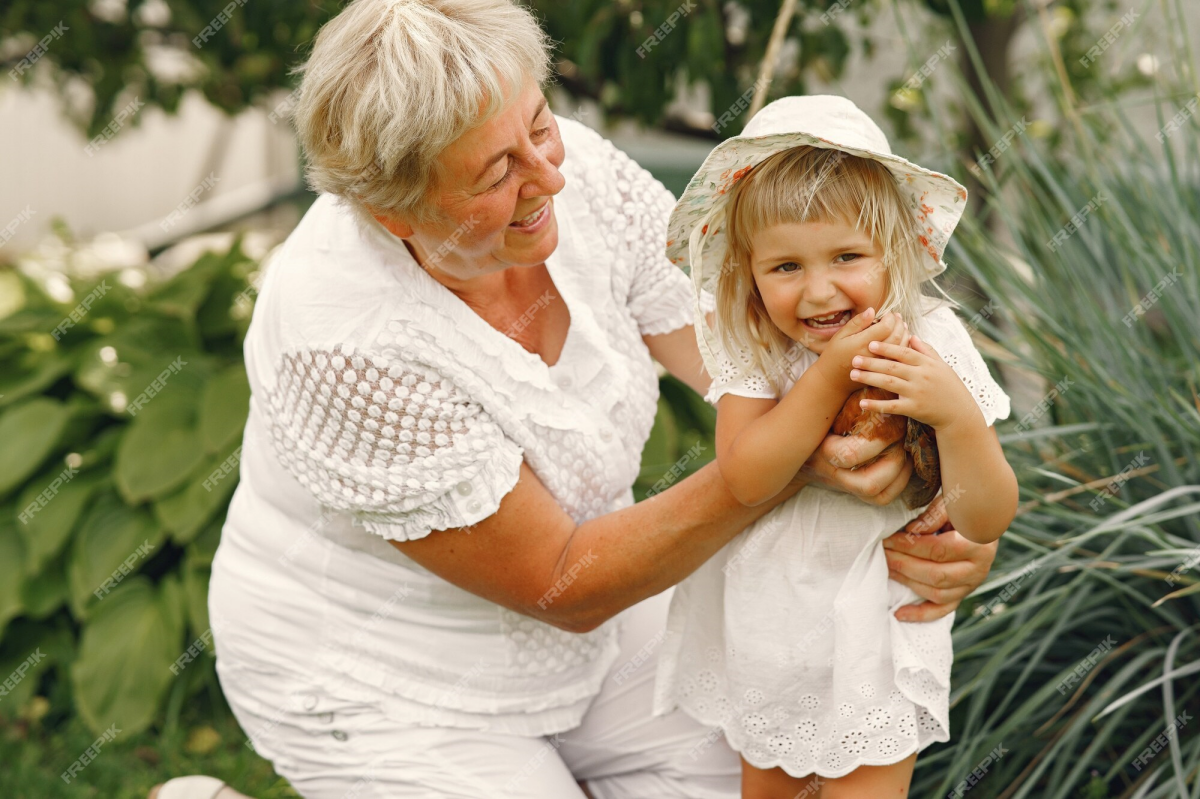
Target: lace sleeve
<point x="742" y="380"/>
<point x="395" y="444"/>
<point x="634" y="207"/>
<point x="950" y="337"/>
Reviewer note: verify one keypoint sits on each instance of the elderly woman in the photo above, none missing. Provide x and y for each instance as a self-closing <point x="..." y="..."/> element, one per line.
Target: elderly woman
<point x="433" y="580"/>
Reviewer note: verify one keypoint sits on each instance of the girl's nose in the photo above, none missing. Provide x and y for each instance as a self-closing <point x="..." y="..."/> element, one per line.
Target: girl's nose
<point x="818" y="293"/>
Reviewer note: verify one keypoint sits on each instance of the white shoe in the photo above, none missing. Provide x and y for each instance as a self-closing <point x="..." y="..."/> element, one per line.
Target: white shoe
<point x="194" y="787"/>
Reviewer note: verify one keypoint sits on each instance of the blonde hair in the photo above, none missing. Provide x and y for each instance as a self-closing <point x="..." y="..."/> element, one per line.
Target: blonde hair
<point x="813" y="184"/>
<point x="391" y="83"/>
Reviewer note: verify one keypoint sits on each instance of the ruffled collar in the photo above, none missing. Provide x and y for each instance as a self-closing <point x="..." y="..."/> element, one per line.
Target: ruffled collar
<point x="469" y="344"/>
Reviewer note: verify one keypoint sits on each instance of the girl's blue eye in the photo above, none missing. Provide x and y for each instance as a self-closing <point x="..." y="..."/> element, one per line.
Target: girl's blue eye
<point x="851" y="254"/>
<point x="789" y="263"/>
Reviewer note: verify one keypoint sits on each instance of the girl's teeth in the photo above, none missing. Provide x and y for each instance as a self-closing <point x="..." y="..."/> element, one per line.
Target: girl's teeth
<point x="831" y="320"/>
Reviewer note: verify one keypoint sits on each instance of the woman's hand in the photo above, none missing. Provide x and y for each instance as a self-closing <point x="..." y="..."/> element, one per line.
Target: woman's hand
<point x="835" y="465"/>
<point x="932" y="559"/>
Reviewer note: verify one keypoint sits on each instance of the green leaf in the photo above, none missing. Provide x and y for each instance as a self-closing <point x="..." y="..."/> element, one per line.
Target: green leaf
<point x="204" y="546"/>
<point x="29" y="433"/>
<point x="689" y="408"/>
<point x="45" y="592"/>
<point x="31" y="372"/>
<point x="113" y="539"/>
<point x="224" y="407"/>
<point x="29" y="650"/>
<point x="662" y="447"/>
<point x="183" y="294"/>
<point x="49" y="525"/>
<point x="101" y="448"/>
<point x="120" y="367"/>
<point x="185" y="512"/>
<point x="228" y="306"/>
<point x="12" y="573"/>
<point x="173" y="601"/>
<point x="160" y="448"/>
<point x="111" y="686"/>
<point x="195" y="589"/>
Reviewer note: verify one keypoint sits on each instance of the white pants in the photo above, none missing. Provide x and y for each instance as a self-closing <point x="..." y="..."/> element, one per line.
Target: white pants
<point x="331" y="748"/>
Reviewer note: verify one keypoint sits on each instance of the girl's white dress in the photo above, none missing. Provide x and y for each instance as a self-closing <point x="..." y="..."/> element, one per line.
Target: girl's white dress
<point x="785" y="639"/>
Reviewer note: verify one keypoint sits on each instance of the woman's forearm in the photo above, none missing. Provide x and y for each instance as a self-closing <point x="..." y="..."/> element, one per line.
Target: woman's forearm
<point x="651" y="545"/>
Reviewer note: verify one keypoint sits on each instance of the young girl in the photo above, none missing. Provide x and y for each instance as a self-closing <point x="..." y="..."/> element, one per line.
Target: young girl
<point x="809" y="231"/>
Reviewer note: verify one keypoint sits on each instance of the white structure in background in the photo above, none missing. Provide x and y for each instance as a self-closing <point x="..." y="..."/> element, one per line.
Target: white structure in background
<point x="151" y="182"/>
<point x="143" y="181"/>
<point x="155" y="182"/>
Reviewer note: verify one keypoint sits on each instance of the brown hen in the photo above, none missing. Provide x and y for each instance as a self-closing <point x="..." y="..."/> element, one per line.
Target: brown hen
<point x="916" y="438"/>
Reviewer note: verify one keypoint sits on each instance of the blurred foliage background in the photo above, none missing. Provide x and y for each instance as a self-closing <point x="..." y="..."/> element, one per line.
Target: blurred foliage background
<point x="1107" y="543"/>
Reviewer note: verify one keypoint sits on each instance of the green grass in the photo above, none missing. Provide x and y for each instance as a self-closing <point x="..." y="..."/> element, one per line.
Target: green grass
<point x="1096" y="537"/>
<point x="207" y="740"/>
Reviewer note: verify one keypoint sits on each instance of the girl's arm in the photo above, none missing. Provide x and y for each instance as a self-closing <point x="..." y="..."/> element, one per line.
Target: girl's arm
<point x="978" y="485"/>
<point x="762" y="442"/>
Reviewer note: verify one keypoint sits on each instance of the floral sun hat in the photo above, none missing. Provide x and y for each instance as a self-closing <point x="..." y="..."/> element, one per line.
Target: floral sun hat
<point x="695" y="238"/>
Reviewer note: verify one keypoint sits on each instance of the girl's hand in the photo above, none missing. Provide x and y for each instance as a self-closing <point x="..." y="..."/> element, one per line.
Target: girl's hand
<point x="927" y="388"/>
<point x="852" y="340"/>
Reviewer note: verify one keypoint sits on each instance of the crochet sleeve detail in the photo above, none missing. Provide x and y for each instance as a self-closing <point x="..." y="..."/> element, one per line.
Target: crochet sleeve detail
<point x="393" y="443"/>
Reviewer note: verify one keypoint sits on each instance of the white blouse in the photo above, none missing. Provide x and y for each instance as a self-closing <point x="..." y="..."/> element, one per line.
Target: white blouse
<point x="383" y="407"/>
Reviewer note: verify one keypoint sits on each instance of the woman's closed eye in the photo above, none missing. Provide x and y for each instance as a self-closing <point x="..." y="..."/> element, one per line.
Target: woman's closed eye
<point x="503" y="178"/>
<point x="537" y="135"/>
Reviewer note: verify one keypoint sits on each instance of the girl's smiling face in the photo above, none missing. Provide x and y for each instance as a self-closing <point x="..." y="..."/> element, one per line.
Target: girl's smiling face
<point x="814" y="269"/>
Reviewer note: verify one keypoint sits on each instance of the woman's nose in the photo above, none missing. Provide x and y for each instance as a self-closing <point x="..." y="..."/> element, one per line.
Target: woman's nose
<point x="544" y="180"/>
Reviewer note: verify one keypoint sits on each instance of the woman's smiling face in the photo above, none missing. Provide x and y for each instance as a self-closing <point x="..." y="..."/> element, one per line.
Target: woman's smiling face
<point x="813" y="269"/>
<point x="493" y="199"/>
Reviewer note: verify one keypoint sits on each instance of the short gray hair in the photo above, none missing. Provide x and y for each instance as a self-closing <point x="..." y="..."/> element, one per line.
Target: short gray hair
<point x="391" y="83"/>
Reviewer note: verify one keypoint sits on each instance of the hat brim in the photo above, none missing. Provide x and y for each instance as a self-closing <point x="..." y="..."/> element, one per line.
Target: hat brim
<point x="937" y="201"/>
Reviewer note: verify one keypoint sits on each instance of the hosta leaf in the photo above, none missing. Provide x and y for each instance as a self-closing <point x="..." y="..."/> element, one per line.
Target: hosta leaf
<point x="30" y="373"/>
<point x="185" y="512"/>
<point x="45" y="592"/>
<point x="12" y="573"/>
<point x="123" y="668"/>
<point x="183" y="294"/>
<point x="224" y="407"/>
<point x="29" y="649"/>
<point x="50" y="520"/>
<point x="204" y="546"/>
<point x="174" y="606"/>
<point x="195" y="589"/>
<point x="109" y="539"/>
<point x="118" y="368"/>
<point x="29" y="433"/>
<point x="159" y="450"/>
<point x="661" y="447"/>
